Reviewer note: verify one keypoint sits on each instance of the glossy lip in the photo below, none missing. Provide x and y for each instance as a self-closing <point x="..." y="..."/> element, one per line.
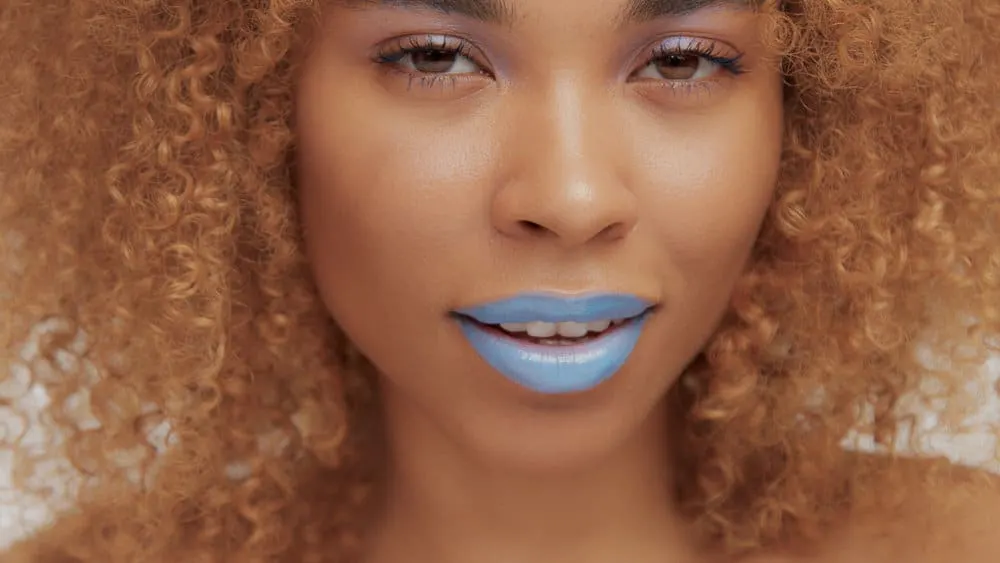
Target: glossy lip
<point x="554" y="308"/>
<point x="554" y="369"/>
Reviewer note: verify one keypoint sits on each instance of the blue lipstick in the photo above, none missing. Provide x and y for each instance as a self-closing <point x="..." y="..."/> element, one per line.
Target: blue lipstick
<point x="556" y="368"/>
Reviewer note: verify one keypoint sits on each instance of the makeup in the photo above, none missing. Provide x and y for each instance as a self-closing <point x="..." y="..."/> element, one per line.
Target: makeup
<point x="556" y="344"/>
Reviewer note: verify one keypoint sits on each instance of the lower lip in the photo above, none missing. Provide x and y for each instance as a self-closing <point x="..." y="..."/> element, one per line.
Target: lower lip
<point x="555" y="369"/>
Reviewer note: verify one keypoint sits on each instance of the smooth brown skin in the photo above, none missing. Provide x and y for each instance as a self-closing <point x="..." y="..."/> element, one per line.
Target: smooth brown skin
<point x="568" y="169"/>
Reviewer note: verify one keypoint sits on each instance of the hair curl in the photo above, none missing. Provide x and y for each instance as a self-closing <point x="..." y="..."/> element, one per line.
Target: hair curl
<point x="197" y="402"/>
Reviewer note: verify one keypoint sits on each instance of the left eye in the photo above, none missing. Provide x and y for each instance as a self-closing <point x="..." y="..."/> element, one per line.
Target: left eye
<point x="437" y="61"/>
<point x="680" y="66"/>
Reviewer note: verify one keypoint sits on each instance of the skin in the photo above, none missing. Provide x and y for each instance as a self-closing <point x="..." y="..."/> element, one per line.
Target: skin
<point x="557" y="158"/>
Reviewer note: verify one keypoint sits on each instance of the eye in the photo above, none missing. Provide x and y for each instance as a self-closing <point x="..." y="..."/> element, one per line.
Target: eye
<point x="681" y="59"/>
<point x="430" y="55"/>
<point x="681" y="66"/>
<point x="437" y="61"/>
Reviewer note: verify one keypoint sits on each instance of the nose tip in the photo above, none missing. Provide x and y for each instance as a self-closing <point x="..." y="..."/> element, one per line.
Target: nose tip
<point x="570" y="215"/>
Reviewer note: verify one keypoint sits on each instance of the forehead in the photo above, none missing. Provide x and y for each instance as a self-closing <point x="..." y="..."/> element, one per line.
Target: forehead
<point x="505" y="11"/>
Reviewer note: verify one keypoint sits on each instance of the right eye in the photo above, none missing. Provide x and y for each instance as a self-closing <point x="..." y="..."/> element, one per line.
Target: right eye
<point x="436" y="61"/>
<point x="431" y="55"/>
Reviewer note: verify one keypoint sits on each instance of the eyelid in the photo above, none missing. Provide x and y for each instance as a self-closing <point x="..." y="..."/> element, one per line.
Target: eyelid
<point x="389" y="52"/>
<point x="710" y="48"/>
<point x="713" y="50"/>
<point x="430" y="41"/>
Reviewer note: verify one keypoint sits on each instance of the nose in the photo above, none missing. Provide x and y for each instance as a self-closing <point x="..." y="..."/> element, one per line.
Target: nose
<point x="564" y="178"/>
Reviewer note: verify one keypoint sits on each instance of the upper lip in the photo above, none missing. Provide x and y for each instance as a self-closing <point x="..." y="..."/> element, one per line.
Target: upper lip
<point x="554" y="308"/>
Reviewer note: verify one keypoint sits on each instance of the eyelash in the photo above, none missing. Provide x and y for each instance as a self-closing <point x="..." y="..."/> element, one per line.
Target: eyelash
<point x="389" y="57"/>
<point x="704" y="48"/>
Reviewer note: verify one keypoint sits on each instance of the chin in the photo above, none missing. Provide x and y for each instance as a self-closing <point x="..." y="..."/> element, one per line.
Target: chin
<point x="526" y="431"/>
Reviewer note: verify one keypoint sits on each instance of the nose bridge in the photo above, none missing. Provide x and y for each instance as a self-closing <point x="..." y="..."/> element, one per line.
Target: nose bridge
<point x="564" y="180"/>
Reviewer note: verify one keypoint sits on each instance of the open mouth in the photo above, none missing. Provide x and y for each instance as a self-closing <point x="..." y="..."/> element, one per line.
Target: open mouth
<point x="567" y="333"/>
<point x="556" y="344"/>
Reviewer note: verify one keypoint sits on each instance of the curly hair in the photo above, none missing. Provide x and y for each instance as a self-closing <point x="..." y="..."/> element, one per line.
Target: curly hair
<point x="200" y="405"/>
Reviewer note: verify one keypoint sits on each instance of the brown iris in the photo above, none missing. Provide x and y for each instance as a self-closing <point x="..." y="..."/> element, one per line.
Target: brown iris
<point x="433" y="61"/>
<point x="678" y="67"/>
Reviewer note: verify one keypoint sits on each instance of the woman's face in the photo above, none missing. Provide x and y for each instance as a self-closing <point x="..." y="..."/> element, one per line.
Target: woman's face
<point x="551" y="165"/>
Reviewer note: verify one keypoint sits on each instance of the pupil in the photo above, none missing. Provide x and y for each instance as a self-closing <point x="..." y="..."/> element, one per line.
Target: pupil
<point x="433" y="61"/>
<point x="678" y="67"/>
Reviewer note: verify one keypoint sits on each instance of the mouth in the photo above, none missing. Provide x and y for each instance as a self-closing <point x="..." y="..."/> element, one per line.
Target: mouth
<point x="553" y="344"/>
<point x="565" y="333"/>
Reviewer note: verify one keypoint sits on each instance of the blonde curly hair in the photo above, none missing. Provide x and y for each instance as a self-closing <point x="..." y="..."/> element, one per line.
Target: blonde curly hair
<point x="202" y="406"/>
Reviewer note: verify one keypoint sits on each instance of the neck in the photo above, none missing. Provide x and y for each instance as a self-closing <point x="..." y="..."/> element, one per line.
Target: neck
<point x="444" y="505"/>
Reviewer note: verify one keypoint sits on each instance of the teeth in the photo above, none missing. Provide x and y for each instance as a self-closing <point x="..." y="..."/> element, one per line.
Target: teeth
<point x="598" y="326"/>
<point x="539" y="329"/>
<point x="542" y="330"/>
<point x="571" y="330"/>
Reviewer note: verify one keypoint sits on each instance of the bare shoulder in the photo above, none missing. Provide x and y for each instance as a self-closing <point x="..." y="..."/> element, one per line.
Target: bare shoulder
<point x="954" y="517"/>
<point x="949" y="514"/>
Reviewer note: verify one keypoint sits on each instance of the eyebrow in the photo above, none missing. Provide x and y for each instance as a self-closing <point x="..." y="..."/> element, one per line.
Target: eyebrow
<point x="638" y="11"/>
<point x="501" y="12"/>
<point x="489" y="11"/>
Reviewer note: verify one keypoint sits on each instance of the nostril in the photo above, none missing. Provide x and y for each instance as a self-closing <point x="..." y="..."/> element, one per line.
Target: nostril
<point x="532" y="227"/>
<point x="614" y="231"/>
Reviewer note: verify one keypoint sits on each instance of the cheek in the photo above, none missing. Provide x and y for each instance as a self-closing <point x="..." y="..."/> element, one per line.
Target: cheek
<point x="721" y="183"/>
<point x="722" y="180"/>
<point x="388" y="203"/>
<point x="715" y="220"/>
